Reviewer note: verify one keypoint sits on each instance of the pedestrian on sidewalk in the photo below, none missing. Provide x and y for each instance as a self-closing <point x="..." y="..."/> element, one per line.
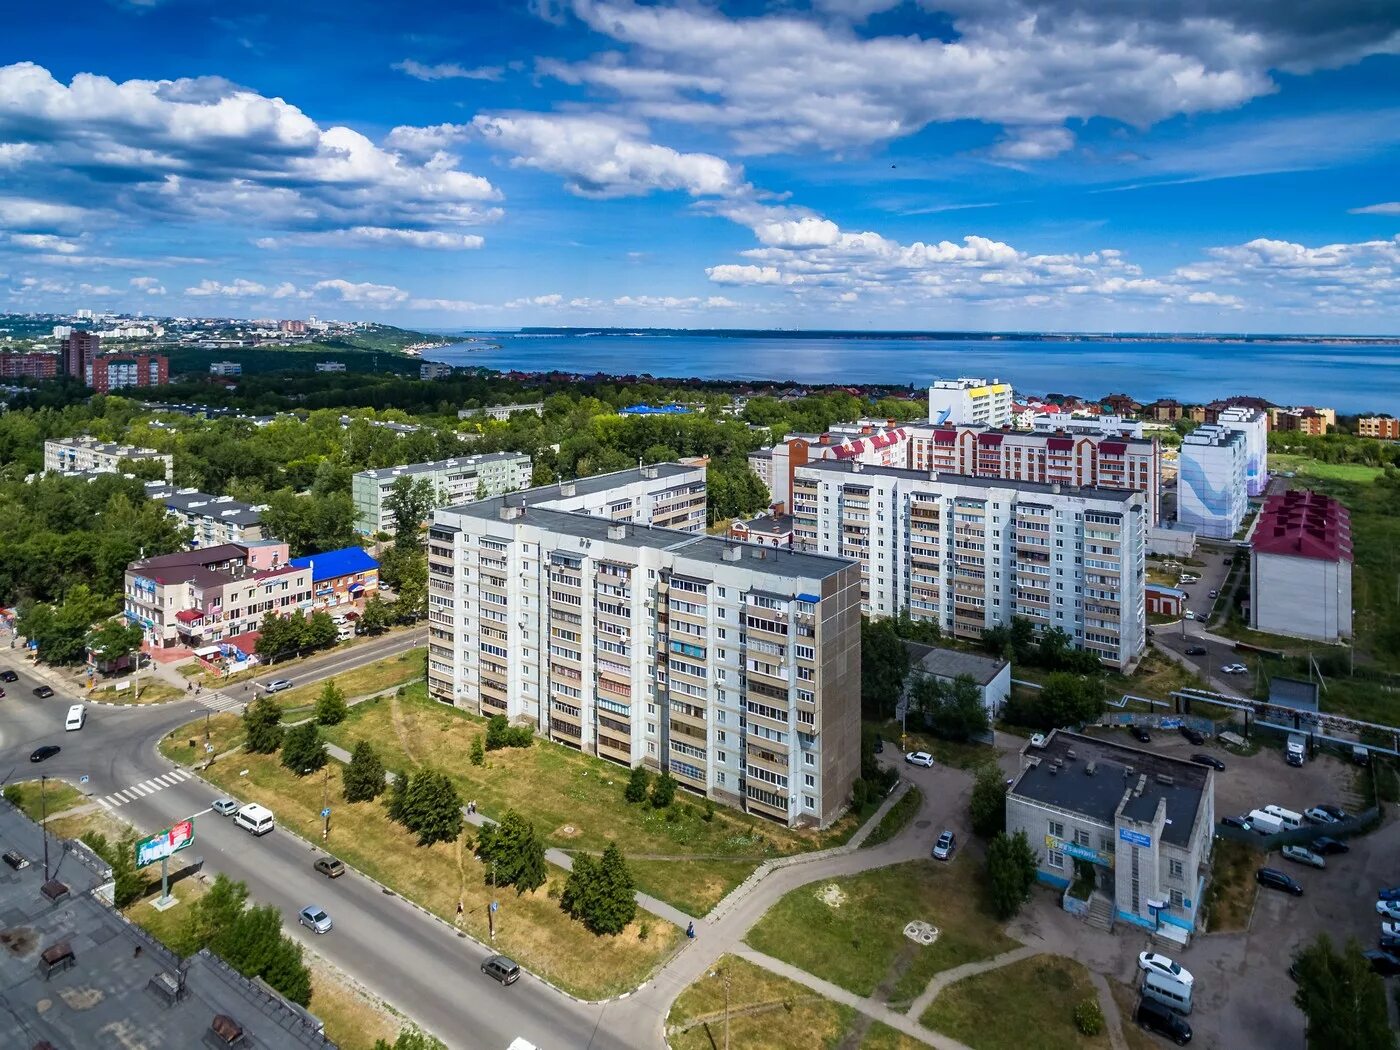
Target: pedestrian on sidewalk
<point x="459" y="910"/>
<point x="690" y="930"/>
<point x="189" y="687"/>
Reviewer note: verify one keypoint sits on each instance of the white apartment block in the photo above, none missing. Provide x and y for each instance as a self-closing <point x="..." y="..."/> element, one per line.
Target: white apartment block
<point x="1212" y="490"/>
<point x="880" y="444"/>
<point x="969" y="400"/>
<point x="735" y="667"/>
<point x="225" y="368"/>
<point x="970" y="553"/>
<point x="500" y="412"/>
<point x="1086" y="459"/>
<point x="84" y="454"/>
<point x="457" y="480"/>
<point x="1103" y="426"/>
<point x="1254" y="424"/>
<point x="212" y="520"/>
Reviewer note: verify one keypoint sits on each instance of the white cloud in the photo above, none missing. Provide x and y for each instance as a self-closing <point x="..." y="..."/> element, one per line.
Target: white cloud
<point x="1026" y="144"/>
<point x="25" y="213"/>
<point x="447" y="71"/>
<point x="602" y="158"/>
<point x="236" y="289"/>
<point x="364" y="292"/>
<point x="149" y="285"/>
<point x="44" y="242"/>
<point x="360" y="236"/>
<point x="1388" y="208"/>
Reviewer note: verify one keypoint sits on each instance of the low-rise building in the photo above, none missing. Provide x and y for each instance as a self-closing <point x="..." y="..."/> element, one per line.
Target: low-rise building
<point x="330" y="366"/>
<point x="341" y="579"/>
<point x="1300" y="568"/>
<point x="1140" y="822"/>
<point x="212" y="520"/>
<point x="768" y="530"/>
<point x="457" y="480"/>
<point x="1387" y="428"/>
<point x="1212" y="494"/>
<point x="1164" y="601"/>
<point x="991" y="674"/>
<point x="434" y="370"/>
<point x="199" y="597"/>
<point x="1305" y="419"/>
<point x="968" y="400"/>
<point x="81" y="455"/>
<point x="1101" y="425"/>
<point x="500" y="411"/>
<point x="225" y="368"/>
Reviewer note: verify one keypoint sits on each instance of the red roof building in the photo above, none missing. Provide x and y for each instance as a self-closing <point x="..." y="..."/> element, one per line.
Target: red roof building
<point x="1300" y="579"/>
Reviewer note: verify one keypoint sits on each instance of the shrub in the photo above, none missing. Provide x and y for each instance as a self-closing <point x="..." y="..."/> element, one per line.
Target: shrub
<point x="637" y="785"/>
<point x="477" y="754"/>
<point x="663" y="791"/>
<point x="1088" y="1018"/>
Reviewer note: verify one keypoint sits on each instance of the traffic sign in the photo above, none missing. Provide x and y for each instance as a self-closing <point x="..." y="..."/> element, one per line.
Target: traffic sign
<point x="495" y="906"/>
<point x="83" y="779"/>
<point x="326" y="812"/>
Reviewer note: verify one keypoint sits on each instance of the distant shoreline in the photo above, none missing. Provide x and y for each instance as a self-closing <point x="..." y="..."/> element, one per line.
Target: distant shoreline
<point x="948" y="336"/>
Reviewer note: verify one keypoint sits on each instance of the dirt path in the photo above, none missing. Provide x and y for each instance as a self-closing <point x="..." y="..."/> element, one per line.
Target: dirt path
<point x="401" y="728"/>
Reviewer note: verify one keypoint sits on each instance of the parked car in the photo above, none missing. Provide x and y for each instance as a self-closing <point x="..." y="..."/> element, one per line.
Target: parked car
<point x="1335" y="812"/>
<point x="1141" y="735"/>
<point x="315" y="919"/>
<point x="277" y="685"/>
<point x="879" y="744"/>
<point x="1189" y="614"/>
<point x="1195" y="650"/>
<point x="1326" y="845"/>
<point x="1387" y="964"/>
<point x="330" y="867"/>
<point x="1318" y="815"/>
<point x="39" y="754"/>
<point x="1162" y="964"/>
<point x="1215" y="594"/>
<point x="1154" y="1017"/>
<point x="919" y="758"/>
<point x="43" y="692"/>
<point x="1237" y="822"/>
<point x="1389" y="909"/>
<point x="1303" y="855"/>
<point x="1209" y="760"/>
<point x="502" y="969"/>
<point x="1234" y="669"/>
<point x="1388" y="893"/>
<point x="943" y="848"/>
<point x="1277" y="880"/>
<point x="1390" y="929"/>
<point x="1388" y="944"/>
<point x="1194" y="736"/>
<point x="225" y="807"/>
<point x="8" y="676"/>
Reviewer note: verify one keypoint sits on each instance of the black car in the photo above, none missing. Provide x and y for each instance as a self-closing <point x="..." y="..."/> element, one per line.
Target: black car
<point x="1192" y="735"/>
<point x="8" y="676"/>
<point x="1155" y="1017"/>
<point x="1277" y="880"/>
<point x="879" y="745"/>
<point x="1388" y="943"/>
<point x="41" y="753"/>
<point x="1141" y="735"/>
<point x="1237" y="822"/>
<point x="1387" y="964"/>
<point x="1327" y="845"/>
<point x="1209" y="760"/>
<point x="1195" y="650"/>
<point x="43" y="692"/>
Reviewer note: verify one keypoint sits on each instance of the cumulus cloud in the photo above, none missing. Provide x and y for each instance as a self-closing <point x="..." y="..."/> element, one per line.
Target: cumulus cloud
<point x="599" y="157"/>
<point x="149" y="285"/>
<point x="236" y="289"/>
<point x="447" y="71"/>
<point x="364" y="292"/>
<point x="44" y="242"/>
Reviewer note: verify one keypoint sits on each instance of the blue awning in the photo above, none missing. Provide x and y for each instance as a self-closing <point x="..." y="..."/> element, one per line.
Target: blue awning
<point x="810" y="598"/>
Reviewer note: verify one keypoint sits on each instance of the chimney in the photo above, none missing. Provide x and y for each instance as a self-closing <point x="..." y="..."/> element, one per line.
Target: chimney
<point x="649" y="471"/>
<point x="857" y="466"/>
<point x="510" y="512"/>
<point x="933" y="475"/>
<point x="733" y="552"/>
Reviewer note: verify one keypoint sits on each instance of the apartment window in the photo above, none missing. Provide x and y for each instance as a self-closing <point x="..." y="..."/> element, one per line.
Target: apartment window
<point x="1054" y="858"/>
<point x="809" y="802"/>
<point x="1081" y="838"/>
<point x="651" y="727"/>
<point x="651" y="747"/>
<point x="1178" y="899"/>
<point x="719" y="778"/>
<point x="721" y="757"/>
<point x="1055" y="829"/>
<point x="1175" y="869"/>
<point x="809" y="780"/>
<point x="810" y="759"/>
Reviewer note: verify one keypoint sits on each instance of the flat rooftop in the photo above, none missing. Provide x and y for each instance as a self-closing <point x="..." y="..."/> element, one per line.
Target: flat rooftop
<point x="950" y="663"/>
<point x="408" y="469"/>
<point x="969" y="481"/>
<point x="1097" y="796"/>
<point x="110" y="994"/>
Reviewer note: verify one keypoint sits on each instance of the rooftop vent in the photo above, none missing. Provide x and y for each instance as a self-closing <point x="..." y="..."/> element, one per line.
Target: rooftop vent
<point x="567" y="488"/>
<point x="1162" y="778"/>
<point x="649" y="472"/>
<point x="617" y="532"/>
<point x="733" y="552"/>
<point x="511" y="513"/>
<point x="1054" y="770"/>
<point x="1070" y="756"/>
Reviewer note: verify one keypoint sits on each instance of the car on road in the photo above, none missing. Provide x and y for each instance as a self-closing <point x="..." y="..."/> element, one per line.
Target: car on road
<point x="943" y="848"/>
<point x="315" y="919"/>
<point x="1234" y="669"/>
<point x="1152" y="1016"/>
<point x="1390" y="909"/>
<point x="1326" y="845"/>
<point x="277" y="685"/>
<point x="500" y="968"/>
<point x="43" y="692"/>
<point x="1141" y="735"/>
<point x="1195" y="650"/>
<point x="1189" y="614"/>
<point x="329" y="867"/>
<point x="1237" y="822"/>
<point x="39" y="754"/>
<point x="1193" y="736"/>
<point x="1209" y="760"/>
<point x="1335" y="812"/>
<point x="1387" y="964"/>
<point x="1277" y="880"/>
<point x="1318" y="815"/>
<point x="8" y="676"/>
<point x="225" y="807"/>
<point x="1153" y="962"/>
<point x="1303" y="855"/>
<point x="919" y="758"/>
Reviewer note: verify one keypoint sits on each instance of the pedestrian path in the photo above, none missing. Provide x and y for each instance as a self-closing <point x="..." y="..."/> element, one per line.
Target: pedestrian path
<point x="146" y="787"/>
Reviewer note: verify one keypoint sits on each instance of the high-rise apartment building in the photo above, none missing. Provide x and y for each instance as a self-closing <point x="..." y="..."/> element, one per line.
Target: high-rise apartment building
<point x="456" y="480"/>
<point x="874" y="442"/>
<point x="735" y="667"/>
<point x="1084" y="459"/>
<point x="79" y="349"/>
<point x="1212" y="491"/>
<point x="1253" y="423"/>
<point x="37" y="365"/>
<point x="969" y="400"/>
<point x="108" y="372"/>
<point x="971" y="552"/>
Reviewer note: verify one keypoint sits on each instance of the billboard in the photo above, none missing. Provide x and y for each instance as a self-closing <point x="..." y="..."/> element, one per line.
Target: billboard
<point x="163" y="843"/>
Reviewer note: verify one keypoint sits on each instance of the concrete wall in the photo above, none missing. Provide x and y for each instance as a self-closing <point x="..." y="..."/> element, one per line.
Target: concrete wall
<point x="1300" y="597"/>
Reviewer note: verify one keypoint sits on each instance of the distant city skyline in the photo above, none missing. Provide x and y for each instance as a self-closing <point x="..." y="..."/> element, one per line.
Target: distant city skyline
<point x="844" y="164"/>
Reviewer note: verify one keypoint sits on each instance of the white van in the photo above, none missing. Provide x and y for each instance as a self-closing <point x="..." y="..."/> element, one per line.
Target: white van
<point x="1168" y="991"/>
<point x="254" y="819"/>
<point x="77" y="716"/>
<point x="1290" y="820"/>
<point x="1264" y="823"/>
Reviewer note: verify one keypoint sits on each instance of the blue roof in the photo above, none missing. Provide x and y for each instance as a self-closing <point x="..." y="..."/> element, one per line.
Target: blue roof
<point x="330" y="564"/>
<point x="653" y="410"/>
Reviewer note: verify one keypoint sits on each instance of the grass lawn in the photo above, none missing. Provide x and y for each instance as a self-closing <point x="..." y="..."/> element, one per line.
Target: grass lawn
<point x="152" y="692"/>
<point x="382" y="674"/>
<point x="767" y="1012"/>
<point x="186" y="744"/>
<point x="899" y="815"/>
<point x="1156" y="676"/>
<point x="98" y="820"/>
<point x="856" y="944"/>
<point x="1306" y="467"/>
<point x="576" y="801"/>
<point x="883" y="1037"/>
<point x="1230" y="895"/>
<point x="57" y="796"/>
<point x="531" y="927"/>
<point x="999" y="1010"/>
<point x="705" y="882"/>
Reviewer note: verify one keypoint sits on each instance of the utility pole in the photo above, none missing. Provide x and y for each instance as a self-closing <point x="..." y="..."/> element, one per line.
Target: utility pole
<point x="43" y="821"/>
<point x="326" y="804"/>
<point x="725" y="973"/>
<point x="491" y="908"/>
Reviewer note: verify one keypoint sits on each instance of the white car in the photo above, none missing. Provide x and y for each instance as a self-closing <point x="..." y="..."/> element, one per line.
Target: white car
<point x="1234" y="669"/>
<point x="1303" y="855"/>
<point x="1154" y="963"/>
<point x="919" y="758"/>
<point x="1390" y="929"/>
<point x="1390" y="909"/>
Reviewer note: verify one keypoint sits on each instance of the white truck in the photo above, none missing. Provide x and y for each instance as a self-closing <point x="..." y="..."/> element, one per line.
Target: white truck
<point x="1297" y="749"/>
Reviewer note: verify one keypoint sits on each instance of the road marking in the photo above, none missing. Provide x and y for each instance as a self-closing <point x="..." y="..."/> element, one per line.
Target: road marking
<point x="206" y="809"/>
<point x="104" y="803"/>
<point x="168" y="780"/>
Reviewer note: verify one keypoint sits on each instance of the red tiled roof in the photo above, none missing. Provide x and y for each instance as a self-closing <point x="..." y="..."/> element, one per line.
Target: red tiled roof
<point x="1304" y="524"/>
<point x="189" y="615"/>
<point x="945" y="437"/>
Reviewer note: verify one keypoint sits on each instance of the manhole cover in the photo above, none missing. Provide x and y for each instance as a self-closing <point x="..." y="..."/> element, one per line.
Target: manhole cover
<point x="923" y="823"/>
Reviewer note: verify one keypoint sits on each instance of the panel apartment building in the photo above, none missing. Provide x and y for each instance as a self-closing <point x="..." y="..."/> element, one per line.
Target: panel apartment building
<point x="457" y="480"/>
<point x="736" y="668"/>
<point x="81" y="455"/>
<point x="1212" y="493"/>
<point x="970" y="553"/>
<point x="969" y="400"/>
<point x="212" y="520"/>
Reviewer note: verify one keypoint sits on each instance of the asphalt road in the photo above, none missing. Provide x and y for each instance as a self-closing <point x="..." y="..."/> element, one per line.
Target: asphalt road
<point x="413" y="961"/>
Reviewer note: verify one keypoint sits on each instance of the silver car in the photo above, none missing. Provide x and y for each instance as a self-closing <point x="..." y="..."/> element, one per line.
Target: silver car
<point x="1303" y="855"/>
<point x="315" y="919"/>
<point x="225" y="807"/>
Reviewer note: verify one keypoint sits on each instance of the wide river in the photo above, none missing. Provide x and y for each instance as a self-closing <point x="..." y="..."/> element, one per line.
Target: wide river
<point x="1347" y="378"/>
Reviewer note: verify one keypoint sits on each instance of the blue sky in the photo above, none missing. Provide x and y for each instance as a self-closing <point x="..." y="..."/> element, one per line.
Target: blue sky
<point x="992" y="164"/>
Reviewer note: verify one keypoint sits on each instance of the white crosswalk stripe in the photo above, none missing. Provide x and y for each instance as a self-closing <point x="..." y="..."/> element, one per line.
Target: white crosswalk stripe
<point x="146" y="787"/>
<point x="104" y="803"/>
<point x="220" y="701"/>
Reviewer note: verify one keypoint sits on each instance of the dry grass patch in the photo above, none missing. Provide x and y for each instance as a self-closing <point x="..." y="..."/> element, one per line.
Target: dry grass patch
<point x="96" y="820"/>
<point x="883" y="1037"/>
<point x="34" y="799"/>
<point x="530" y="927"/>
<point x="151" y="692"/>
<point x="1230" y="895"/>
<point x="382" y="674"/>
<point x="693" y="886"/>
<point x="186" y="744"/>
<point x="354" y="1019"/>
<point x="766" y="1012"/>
